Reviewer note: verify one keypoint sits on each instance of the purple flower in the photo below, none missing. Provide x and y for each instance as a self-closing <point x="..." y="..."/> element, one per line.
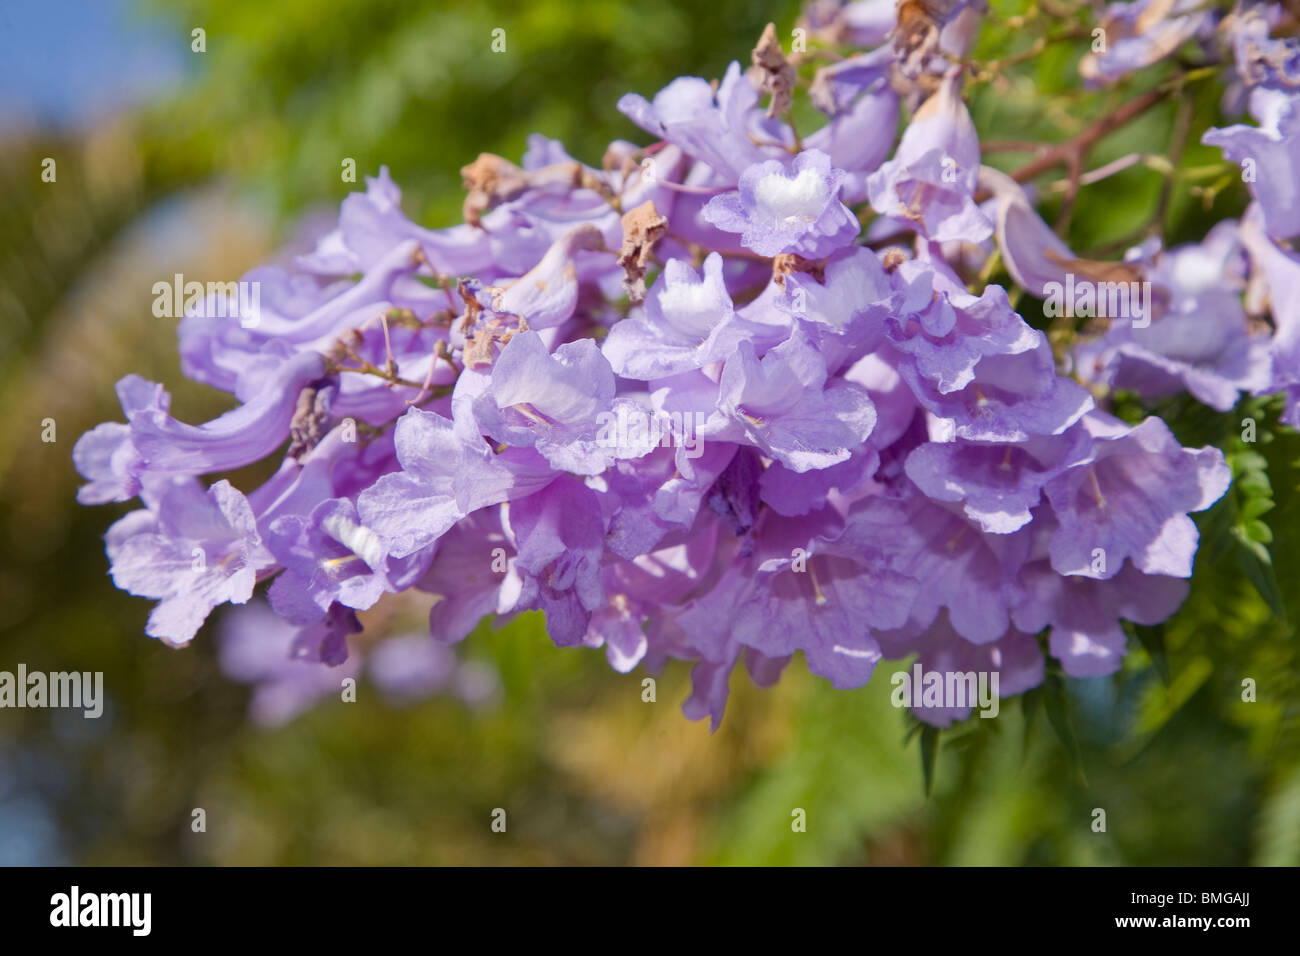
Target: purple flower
<point x="795" y="210"/>
<point x="371" y="224"/>
<point x="328" y="556"/>
<point x="1033" y="254"/>
<point x="930" y="182"/>
<point x="559" y="403"/>
<point x="997" y="484"/>
<point x="1015" y="658"/>
<point x="1142" y="32"/>
<point x="1084" y="613"/>
<point x="976" y="364"/>
<point x="1270" y="157"/>
<point x="714" y="129"/>
<point x="853" y="140"/>
<point x="1261" y="60"/>
<point x="659" y="494"/>
<point x="688" y="322"/>
<point x="1201" y="342"/>
<point x="546" y="295"/>
<point x="836" y="87"/>
<point x="196" y="549"/>
<point x="444" y="477"/>
<point x="711" y="680"/>
<point x="115" y="458"/>
<point x="259" y="647"/>
<point x="292" y="669"/>
<point x="559" y="536"/>
<point x="412" y="667"/>
<point x="957" y="566"/>
<point x="785" y="405"/>
<point x="1277" y="273"/>
<point x="793" y="493"/>
<point x="466" y="574"/>
<point x="823" y="591"/>
<point x="857" y="95"/>
<point x="299" y="314"/>
<point x="1129" y="500"/>
<point x="618" y="628"/>
<point x="844" y="307"/>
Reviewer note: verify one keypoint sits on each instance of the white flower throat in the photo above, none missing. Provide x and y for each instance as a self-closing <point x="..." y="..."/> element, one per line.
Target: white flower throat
<point x="790" y="201"/>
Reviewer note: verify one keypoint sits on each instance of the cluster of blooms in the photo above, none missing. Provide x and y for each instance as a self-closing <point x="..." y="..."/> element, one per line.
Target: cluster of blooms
<point x="865" y="460"/>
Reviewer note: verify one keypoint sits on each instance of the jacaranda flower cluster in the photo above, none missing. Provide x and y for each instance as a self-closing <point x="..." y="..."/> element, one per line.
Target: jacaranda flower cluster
<point x="689" y="406"/>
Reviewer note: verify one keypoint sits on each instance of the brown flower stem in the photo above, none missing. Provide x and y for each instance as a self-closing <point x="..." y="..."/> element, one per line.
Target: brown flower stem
<point x="1073" y="150"/>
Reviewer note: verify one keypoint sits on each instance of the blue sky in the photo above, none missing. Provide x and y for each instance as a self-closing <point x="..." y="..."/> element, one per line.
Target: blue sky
<point x="70" y="62"/>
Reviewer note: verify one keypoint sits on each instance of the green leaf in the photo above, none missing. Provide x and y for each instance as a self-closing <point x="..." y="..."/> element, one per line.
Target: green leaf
<point x="929" y="751"/>
<point x="1216" y="530"/>
<point x="1257" y="564"/>
<point x="1278" y="826"/>
<point x="1152" y="639"/>
<point x="1057" y="715"/>
<point x="1240" y="510"/>
<point x="1029" y="702"/>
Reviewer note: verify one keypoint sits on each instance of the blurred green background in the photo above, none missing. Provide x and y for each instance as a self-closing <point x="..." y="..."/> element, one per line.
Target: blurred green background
<point x="208" y="163"/>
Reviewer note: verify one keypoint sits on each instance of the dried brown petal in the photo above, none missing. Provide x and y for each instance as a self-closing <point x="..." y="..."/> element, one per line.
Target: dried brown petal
<point x="642" y="228"/>
<point x="491" y="181"/>
<point x="478" y="349"/>
<point x="307" y="427"/>
<point x="893" y="258"/>
<point x="787" y="263"/>
<point x="772" y="73"/>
